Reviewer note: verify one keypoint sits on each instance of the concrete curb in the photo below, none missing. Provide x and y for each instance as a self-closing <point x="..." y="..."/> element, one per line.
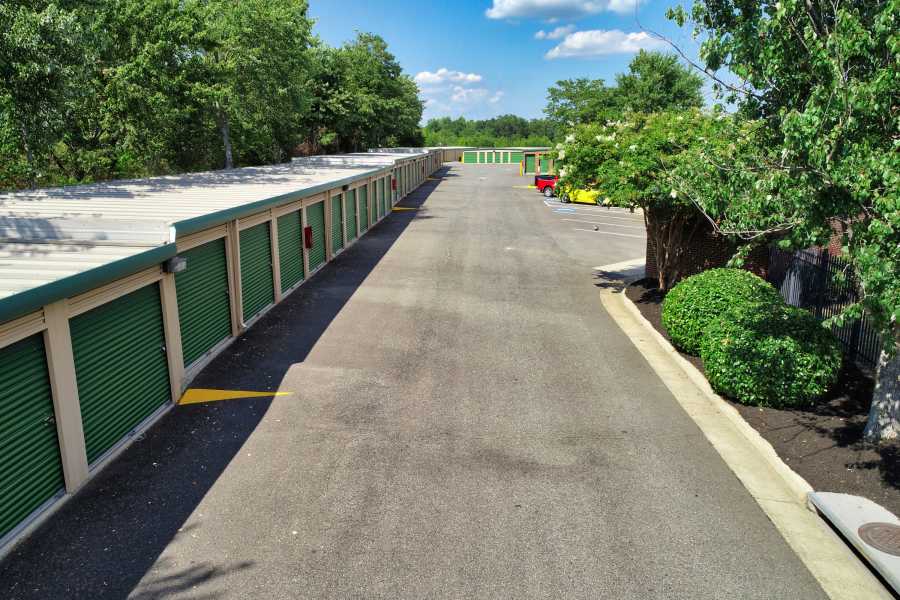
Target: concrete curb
<point x="799" y="486"/>
<point x="777" y="489"/>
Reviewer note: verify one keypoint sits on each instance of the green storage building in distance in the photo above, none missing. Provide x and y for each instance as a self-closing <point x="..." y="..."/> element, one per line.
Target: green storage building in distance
<point x="538" y="161"/>
<point x="498" y="156"/>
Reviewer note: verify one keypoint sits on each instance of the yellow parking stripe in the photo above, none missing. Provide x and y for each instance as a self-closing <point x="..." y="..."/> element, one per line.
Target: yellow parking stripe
<point x="198" y="395"/>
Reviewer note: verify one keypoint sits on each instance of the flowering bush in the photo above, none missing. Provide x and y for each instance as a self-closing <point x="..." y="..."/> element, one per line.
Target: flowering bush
<point x="631" y="162"/>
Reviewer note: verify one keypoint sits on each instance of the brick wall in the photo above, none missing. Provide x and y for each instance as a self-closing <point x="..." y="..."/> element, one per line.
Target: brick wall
<point x="708" y="251"/>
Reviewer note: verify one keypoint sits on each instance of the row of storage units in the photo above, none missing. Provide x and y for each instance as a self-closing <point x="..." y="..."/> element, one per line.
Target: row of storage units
<point x="99" y="336"/>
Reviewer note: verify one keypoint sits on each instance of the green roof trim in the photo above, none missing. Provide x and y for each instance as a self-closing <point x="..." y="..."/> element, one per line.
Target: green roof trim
<point x="22" y="303"/>
<point x="195" y="224"/>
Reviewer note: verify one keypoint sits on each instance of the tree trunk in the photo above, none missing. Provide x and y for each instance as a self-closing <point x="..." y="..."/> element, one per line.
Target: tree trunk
<point x="29" y="155"/>
<point x="225" y="130"/>
<point x="672" y="232"/>
<point x="884" y="416"/>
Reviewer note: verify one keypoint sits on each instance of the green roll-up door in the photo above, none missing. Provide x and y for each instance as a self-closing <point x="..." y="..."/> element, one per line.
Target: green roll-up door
<point x="350" y="215"/>
<point x="515" y="157"/>
<point x="315" y="216"/>
<point x="121" y="367"/>
<point x="480" y="157"/>
<point x="30" y="467"/>
<point x="337" y="223"/>
<point x="470" y="157"/>
<point x="529" y="163"/>
<point x="364" y="208"/>
<point x="204" y="308"/>
<point x="290" y="249"/>
<point x="257" y="281"/>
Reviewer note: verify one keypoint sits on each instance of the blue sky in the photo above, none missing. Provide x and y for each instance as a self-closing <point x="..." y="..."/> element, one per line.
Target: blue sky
<point x="482" y="58"/>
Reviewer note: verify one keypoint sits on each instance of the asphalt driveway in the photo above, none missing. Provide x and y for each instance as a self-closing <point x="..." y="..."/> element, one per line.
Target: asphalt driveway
<point x="464" y="421"/>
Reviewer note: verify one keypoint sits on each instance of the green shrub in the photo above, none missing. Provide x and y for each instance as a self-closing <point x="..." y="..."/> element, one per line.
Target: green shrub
<point x="764" y="357"/>
<point x="697" y="301"/>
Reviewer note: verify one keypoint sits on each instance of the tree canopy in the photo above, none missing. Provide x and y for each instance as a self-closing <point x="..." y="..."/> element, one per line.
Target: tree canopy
<point x="99" y="90"/>
<point x="822" y="82"/>
<point x="626" y="140"/>
<point x="655" y="81"/>
<point x="505" y="130"/>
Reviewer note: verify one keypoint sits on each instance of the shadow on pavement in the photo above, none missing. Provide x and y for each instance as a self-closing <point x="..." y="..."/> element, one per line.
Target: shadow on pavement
<point x="107" y="538"/>
<point x="617" y="280"/>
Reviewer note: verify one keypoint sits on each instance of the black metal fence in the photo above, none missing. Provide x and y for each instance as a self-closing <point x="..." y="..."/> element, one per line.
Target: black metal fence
<point x="825" y="285"/>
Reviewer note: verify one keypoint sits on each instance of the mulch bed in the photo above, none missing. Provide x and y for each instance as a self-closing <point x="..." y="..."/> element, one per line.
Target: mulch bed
<point x="822" y="443"/>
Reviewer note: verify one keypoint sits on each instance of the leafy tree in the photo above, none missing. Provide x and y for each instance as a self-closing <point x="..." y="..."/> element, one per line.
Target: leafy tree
<point x="124" y="88"/>
<point x="823" y="80"/>
<point x="505" y="130"/>
<point x="575" y="101"/>
<point x="631" y="163"/>
<point x="656" y="81"/>
<point x="626" y="141"/>
<point x="252" y="74"/>
<point x="361" y="98"/>
<point x="38" y="53"/>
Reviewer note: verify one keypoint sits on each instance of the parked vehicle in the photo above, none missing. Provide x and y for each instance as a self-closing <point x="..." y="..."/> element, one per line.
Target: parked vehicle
<point x="580" y="196"/>
<point x="546" y="184"/>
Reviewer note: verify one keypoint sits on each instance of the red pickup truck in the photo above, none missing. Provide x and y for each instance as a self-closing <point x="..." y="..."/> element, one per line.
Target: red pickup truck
<point x="546" y="184"/>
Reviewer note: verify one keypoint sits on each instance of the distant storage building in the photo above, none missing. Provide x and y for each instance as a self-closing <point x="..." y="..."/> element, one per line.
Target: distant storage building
<point x="538" y="161"/>
<point x="137" y="285"/>
<point x="503" y="156"/>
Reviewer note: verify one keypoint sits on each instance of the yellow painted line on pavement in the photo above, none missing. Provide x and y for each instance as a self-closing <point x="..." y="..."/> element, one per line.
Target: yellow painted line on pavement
<point x="525" y="187"/>
<point x="199" y="395"/>
<point x="402" y="208"/>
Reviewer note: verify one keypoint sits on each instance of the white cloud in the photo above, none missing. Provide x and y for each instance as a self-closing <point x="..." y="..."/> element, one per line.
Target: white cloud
<point x="558" y="33"/>
<point x="463" y="95"/>
<point x="455" y="93"/>
<point x="557" y="9"/>
<point x="443" y="75"/>
<point x="599" y="42"/>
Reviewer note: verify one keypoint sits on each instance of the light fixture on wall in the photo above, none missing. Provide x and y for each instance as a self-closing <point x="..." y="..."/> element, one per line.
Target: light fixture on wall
<point x="176" y="264"/>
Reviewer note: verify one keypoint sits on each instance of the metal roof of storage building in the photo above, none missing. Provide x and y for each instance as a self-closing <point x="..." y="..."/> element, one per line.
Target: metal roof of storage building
<point x="59" y="242"/>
